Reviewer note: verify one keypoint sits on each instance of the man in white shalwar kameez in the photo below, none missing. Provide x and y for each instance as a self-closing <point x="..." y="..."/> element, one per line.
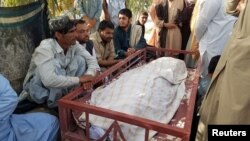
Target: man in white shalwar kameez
<point x="213" y="29"/>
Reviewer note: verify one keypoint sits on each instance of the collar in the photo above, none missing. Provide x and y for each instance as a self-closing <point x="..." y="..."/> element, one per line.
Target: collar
<point x="58" y="47"/>
<point x="137" y="22"/>
<point x="98" y="37"/>
<point x="129" y="28"/>
<point x="83" y="44"/>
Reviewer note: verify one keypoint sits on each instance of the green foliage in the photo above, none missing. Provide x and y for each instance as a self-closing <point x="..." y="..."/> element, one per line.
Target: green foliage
<point x="57" y="6"/>
<point x="137" y="6"/>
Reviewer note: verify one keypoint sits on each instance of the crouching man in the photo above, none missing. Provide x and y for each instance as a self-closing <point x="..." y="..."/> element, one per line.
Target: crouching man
<point x="58" y="64"/>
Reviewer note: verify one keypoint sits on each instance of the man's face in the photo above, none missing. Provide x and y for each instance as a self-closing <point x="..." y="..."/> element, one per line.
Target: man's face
<point x="143" y="19"/>
<point x="69" y="38"/>
<point x="124" y="21"/>
<point x="107" y="34"/>
<point x="82" y="33"/>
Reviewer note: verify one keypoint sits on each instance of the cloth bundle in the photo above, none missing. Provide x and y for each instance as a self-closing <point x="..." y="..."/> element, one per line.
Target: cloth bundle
<point x="153" y="91"/>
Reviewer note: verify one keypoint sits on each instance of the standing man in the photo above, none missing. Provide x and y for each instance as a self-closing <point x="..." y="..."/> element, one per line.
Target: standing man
<point x="213" y="28"/>
<point x="142" y="20"/>
<point x="90" y="11"/>
<point x="127" y="37"/>
<point x="103" y="43"/>
<point x="111" y="9"/>
<point x="227" y="100"/>
<point x="58" y="64"/>
<point x="82" y="37"/>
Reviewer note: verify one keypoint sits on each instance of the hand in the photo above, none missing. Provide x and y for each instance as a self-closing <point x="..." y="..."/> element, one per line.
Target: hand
<point x="92" y="23"/>
<point x="87" y="85"/>
<point x="115" y="61"/>
<point x="86" y="78"/>
<point x="86" y="81"/>
<point x="170" y="25"/>
<point x="86" y="19"/>
<point x="130" y="51"/>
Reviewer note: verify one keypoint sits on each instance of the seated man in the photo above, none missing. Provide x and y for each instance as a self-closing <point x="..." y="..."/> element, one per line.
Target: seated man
<point x="142" y="20"/>
<point x="32" y="126"/>
<point x="127" y="38"/>
<point x="103" y="44"/>
<point x="58" y="65"/>
<point x="82" y="37"/>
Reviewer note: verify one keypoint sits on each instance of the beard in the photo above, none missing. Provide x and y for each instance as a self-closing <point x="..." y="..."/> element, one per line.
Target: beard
<point x="73" y="42"/>
<point x="124" y="25"/>
<point x="82" y="41"/>
<point x="107" y="40"/>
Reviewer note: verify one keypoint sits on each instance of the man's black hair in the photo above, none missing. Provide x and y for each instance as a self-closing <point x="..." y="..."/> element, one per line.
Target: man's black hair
<point x="79" y="21"/>
<point x="61" y="24"/>
<point x="105" y="24"/>
<point x="67" y="27"/>
<point x="126" y="12"/>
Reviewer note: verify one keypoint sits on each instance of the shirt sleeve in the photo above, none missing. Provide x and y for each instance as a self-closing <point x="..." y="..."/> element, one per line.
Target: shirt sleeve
<point x="47" y="67"/>
<point x="91" y="61"/>
<point x="112" y="50"/>
<point x="142" y="42"/>
<point x="208" y="10"/>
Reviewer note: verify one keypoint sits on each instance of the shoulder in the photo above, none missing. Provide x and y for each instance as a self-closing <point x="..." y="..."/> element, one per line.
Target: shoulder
<point x="136" y="27"/>
<point x="117" y="31"/>
<point x="137" y="22"/>
<point x="95" y="36"/>
<point x="77" y="47"/>
<point x="46" y="46"/>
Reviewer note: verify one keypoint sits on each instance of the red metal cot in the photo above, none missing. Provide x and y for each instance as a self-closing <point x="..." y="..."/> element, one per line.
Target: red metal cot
<point x="76" y="102"/>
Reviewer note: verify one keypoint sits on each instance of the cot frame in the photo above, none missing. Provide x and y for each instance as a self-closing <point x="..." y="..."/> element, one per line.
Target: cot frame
<point x="69" y="132"/>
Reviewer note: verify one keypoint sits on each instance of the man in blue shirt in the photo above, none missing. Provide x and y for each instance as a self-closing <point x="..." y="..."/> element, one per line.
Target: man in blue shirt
<point x="23" y="127"/>
<point x="127" y="37"/>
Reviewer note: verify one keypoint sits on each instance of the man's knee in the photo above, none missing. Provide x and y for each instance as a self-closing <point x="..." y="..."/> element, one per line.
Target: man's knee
<point x="77" y="66"/>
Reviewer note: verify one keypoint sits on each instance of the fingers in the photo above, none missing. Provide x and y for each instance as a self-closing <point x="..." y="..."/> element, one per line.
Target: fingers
<point x="130" y="51"/>
<point x="170" y="25"/>
<point x="87" y="85"/>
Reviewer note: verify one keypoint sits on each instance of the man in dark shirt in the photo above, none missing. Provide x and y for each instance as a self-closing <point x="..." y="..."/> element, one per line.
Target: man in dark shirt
<point x="127" y="37"/>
